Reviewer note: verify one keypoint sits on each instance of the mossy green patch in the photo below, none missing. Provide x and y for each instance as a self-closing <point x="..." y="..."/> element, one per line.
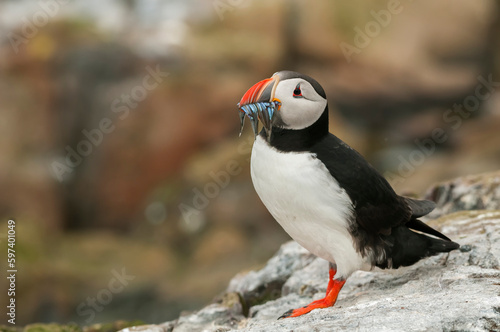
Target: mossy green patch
<point x="51" y="328"/>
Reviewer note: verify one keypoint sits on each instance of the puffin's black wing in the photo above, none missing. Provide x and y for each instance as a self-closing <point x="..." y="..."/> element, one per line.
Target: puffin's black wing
<point x="377" y="207"/>
<point x="419" y="207"/>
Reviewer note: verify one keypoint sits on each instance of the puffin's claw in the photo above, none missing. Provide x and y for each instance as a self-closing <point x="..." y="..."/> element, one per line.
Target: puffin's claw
<point x="286" y="314"/>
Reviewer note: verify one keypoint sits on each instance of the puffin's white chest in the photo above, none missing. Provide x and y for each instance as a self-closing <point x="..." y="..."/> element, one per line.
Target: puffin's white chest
<point x="307" y="201"/>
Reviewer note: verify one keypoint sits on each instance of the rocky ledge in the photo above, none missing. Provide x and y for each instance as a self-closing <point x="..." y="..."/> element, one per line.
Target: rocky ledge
<point x="459" y="291"/>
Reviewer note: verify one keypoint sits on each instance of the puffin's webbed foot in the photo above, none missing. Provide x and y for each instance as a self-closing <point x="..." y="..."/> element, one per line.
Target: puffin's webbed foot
<point x="332" y="292"/>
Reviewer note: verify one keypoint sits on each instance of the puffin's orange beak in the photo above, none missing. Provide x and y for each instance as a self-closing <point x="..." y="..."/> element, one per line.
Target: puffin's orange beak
<point x="258" y="103"/>
<point x="255" y="92"/>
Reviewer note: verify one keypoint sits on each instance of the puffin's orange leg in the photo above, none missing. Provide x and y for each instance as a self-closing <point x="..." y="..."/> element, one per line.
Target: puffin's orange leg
<point x="332" y="291"/>
<point x="331" y="283"/>
<point x="331" y="272"/>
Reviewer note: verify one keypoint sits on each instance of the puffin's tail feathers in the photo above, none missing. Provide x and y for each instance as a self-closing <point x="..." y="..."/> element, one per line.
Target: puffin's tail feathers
<point x="418" y="225"/>
<point x="438" y="246"/>
<point x="406" y="247"/>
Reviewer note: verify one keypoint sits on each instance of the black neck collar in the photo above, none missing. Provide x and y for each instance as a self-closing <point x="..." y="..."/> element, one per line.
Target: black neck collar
<point x="299" y="140"/>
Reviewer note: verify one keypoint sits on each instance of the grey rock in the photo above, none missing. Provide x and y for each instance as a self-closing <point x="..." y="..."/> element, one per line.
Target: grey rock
<point x="145" y="328"/>
<point x="266" y="284"/>
<point x="455" y="292"/>
<point x="474" y="192"/>
<point x="459" y="291"/>
<point x="216" y="317"/>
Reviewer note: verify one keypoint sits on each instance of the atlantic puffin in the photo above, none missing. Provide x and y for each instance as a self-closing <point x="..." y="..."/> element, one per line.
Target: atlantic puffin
<point x="323" y="193"/>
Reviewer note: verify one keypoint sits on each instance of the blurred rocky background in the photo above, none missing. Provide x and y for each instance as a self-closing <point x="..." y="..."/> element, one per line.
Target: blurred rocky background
<point x="120" y="159"/>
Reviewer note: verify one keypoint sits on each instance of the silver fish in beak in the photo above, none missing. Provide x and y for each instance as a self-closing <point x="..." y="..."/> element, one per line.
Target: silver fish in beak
<point x="258" y="103"/>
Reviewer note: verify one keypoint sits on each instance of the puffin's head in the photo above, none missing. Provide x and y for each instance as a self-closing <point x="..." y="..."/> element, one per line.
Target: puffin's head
<point x="288" y="100"/>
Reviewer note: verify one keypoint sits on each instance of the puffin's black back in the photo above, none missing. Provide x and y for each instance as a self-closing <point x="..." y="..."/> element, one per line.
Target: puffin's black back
<point x="382" y="219"/>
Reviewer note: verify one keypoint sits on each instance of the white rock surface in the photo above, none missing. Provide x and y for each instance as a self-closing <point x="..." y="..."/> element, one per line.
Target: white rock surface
<point x="459" y="291"/>
<point x="456" y="293"/>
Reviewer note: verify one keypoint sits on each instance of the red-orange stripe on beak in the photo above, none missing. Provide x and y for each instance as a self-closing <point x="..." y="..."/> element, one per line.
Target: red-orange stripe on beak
<point x="253" y="94"/>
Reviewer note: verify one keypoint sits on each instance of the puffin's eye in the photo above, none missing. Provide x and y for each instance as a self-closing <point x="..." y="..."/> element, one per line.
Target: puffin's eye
<point x="297" y="92"/>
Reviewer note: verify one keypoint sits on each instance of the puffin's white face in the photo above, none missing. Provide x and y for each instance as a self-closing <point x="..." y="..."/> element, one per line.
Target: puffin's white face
<point x="301" y="105"/>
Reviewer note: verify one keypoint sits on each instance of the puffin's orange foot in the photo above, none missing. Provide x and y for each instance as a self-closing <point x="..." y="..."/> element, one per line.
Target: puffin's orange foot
<point x="319" y="304"/>
<point x="326" y="302"/>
